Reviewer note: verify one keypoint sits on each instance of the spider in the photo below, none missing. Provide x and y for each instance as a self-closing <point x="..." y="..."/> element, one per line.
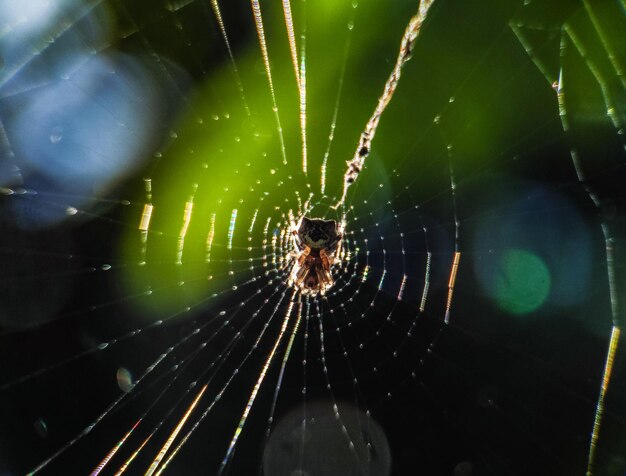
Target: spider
<point x="317" y="247"/>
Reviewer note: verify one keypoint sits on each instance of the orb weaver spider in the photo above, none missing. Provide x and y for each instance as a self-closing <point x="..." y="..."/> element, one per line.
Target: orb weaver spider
<point x="316" y="248"/>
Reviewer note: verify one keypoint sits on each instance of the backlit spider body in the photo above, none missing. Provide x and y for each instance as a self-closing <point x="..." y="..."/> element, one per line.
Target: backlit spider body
<point x="317" y="246"/>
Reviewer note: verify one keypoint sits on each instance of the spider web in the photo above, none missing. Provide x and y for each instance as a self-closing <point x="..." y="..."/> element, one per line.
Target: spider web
<point x="472" y="328"/>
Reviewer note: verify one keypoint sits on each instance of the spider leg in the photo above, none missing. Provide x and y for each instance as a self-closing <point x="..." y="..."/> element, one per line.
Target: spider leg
<point x="326" y="260"/>
<point x="303" y="255"/>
